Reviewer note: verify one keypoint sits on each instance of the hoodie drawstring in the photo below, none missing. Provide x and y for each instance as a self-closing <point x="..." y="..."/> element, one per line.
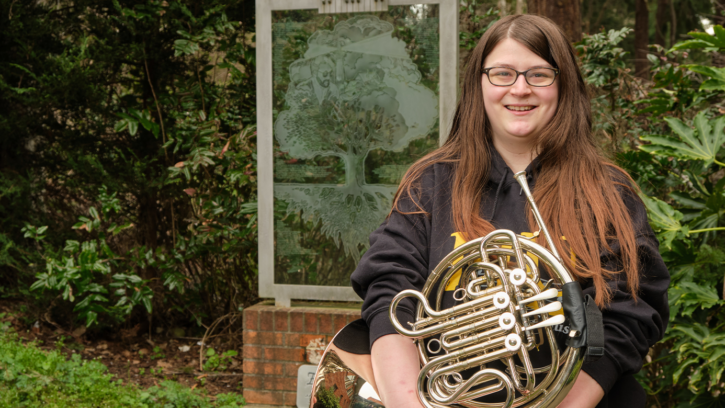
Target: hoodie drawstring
<point x="495" y="199"/>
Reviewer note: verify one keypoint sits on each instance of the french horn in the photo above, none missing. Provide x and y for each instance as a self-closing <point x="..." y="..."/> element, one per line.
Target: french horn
<point x="482" y="345"/>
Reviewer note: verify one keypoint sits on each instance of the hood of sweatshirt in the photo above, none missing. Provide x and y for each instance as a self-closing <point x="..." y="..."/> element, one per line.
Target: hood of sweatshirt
<point x="500" y="194"/>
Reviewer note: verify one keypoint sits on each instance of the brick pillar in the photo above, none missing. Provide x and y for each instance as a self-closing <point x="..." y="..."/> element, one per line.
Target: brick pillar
<point x="278" y="340"/>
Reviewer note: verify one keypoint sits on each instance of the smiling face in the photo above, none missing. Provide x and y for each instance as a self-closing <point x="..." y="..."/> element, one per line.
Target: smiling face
<point x="517" y="113"/>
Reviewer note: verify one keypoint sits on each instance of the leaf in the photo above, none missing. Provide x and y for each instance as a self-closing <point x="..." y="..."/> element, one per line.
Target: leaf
<point x="665" y="220"/>
<point x="91" y="317"/>
<point x="716" y="355"/>
<point x="681" y="368"/>
<point x="690" y="296"/>
<point x="121" y="125"/>
<point x="717" y="75"/>
<point x="147" y="303"/>
<point x="690" y="331"/>
<point x="714" y="42"/>
<point x="701" y="143"/>
<point x="21" y="91"/>
<point x="686" y="201"/>
<point x="185" y="47"/>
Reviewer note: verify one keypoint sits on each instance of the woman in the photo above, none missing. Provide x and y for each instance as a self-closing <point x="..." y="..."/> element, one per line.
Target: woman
<point x="523" y="106"/>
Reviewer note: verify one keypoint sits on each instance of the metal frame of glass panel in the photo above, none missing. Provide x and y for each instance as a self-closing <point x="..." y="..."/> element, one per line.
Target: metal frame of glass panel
<point x="448" y="83"/>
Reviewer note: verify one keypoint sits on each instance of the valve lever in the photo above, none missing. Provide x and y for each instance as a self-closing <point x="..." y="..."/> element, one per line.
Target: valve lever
<point x="547" y="294"/>
<point x="553" y="321"/>
<point x="550" y="308"/>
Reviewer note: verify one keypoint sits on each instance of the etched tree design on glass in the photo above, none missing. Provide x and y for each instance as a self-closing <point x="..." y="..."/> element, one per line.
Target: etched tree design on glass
<point x="356" y="89"/>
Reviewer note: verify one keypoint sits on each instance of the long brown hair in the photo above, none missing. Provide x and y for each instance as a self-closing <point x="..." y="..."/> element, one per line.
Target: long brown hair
<point x="575" y="178"/>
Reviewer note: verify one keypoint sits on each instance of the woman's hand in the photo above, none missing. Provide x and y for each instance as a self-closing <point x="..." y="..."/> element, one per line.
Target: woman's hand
<point x="396" y="367"/>
<point x="586" y="393"/>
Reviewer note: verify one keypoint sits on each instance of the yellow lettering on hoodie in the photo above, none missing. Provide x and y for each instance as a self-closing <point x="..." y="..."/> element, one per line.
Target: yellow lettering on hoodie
<point x="456" y="278"/>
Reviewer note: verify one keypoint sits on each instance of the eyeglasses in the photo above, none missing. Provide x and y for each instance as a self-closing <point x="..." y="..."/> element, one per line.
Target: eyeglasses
<point x="500" y="76"/>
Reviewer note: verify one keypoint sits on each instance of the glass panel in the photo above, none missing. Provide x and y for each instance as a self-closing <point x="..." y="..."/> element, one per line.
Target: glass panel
<point x="355" y="104"/>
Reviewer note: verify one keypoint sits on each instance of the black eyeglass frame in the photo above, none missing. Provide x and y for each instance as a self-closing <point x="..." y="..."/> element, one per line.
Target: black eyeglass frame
<point x="556" y="73"/>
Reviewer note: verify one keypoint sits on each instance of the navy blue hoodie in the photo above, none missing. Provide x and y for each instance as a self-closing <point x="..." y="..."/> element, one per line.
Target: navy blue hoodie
<point x="407" y="247"/>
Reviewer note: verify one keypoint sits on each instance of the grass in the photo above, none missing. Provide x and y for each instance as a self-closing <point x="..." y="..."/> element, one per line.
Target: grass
<point x="30" y="377"/>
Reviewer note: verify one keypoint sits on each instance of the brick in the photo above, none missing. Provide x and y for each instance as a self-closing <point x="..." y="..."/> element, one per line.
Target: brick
<point x="290" y="369"/>
<point x="284" y="354"/>
<point x="281" y="321"/>
<point x="250" y="367"/>
<point x="306" y="339"/>
<point x="273" y="369"/>
<point x="340" y="322"/>
<point x="290" y="398"/>
<point x="259" y="382"/>
<point x="275" y="345"/>
<point x="271" y="338"/>
<point x="311" y="322"/>
<point x="250" y="351"/>
<point x="296" y="322"/>
<point x="256" y="367"/>
<point x="325" y="320"/>
<point x="264" y="397"/>
<point x="266" y="338"/>
<point x="251" y="319"/>
<point x="292" y="339"/>
<point x="281" y="384"/>
<point x="253" y="381"/>
<point x="250" y="337"/>
<point x="266" y="320"/>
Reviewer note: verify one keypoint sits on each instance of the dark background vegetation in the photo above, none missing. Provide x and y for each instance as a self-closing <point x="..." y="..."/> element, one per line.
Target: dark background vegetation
<point x="128" y="161"/>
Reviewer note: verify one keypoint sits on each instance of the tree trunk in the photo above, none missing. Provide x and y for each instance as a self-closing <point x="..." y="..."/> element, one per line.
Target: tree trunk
<point x="661" y="22"/>
<point x="718" y="59"/>
<point x="519" y="6"/>
<point x="673" y="24"/>
<point x="354" y="169"/>
<point x="565" y="13"/>
<point x="503" y="7"/>
<point x="641" y="40"/>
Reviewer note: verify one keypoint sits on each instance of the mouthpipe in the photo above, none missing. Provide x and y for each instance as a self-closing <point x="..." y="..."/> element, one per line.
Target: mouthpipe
<point x="521" y="178"/>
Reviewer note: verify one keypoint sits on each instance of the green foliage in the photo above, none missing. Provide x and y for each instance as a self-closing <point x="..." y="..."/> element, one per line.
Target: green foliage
<point x="715" y="42"/>
<point x="326" y="398"/>
<point x="218" y="362"/>
<point x="614" y="91"/>
<point x="30" y="377"/>
<point x="665" y="220"/>
<point x="701" y="143"/>
<point x="480" y="23"/>
<point x="602" y="58"/>
<point x="688" y="217"/>
<point x="128" y="177"/>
